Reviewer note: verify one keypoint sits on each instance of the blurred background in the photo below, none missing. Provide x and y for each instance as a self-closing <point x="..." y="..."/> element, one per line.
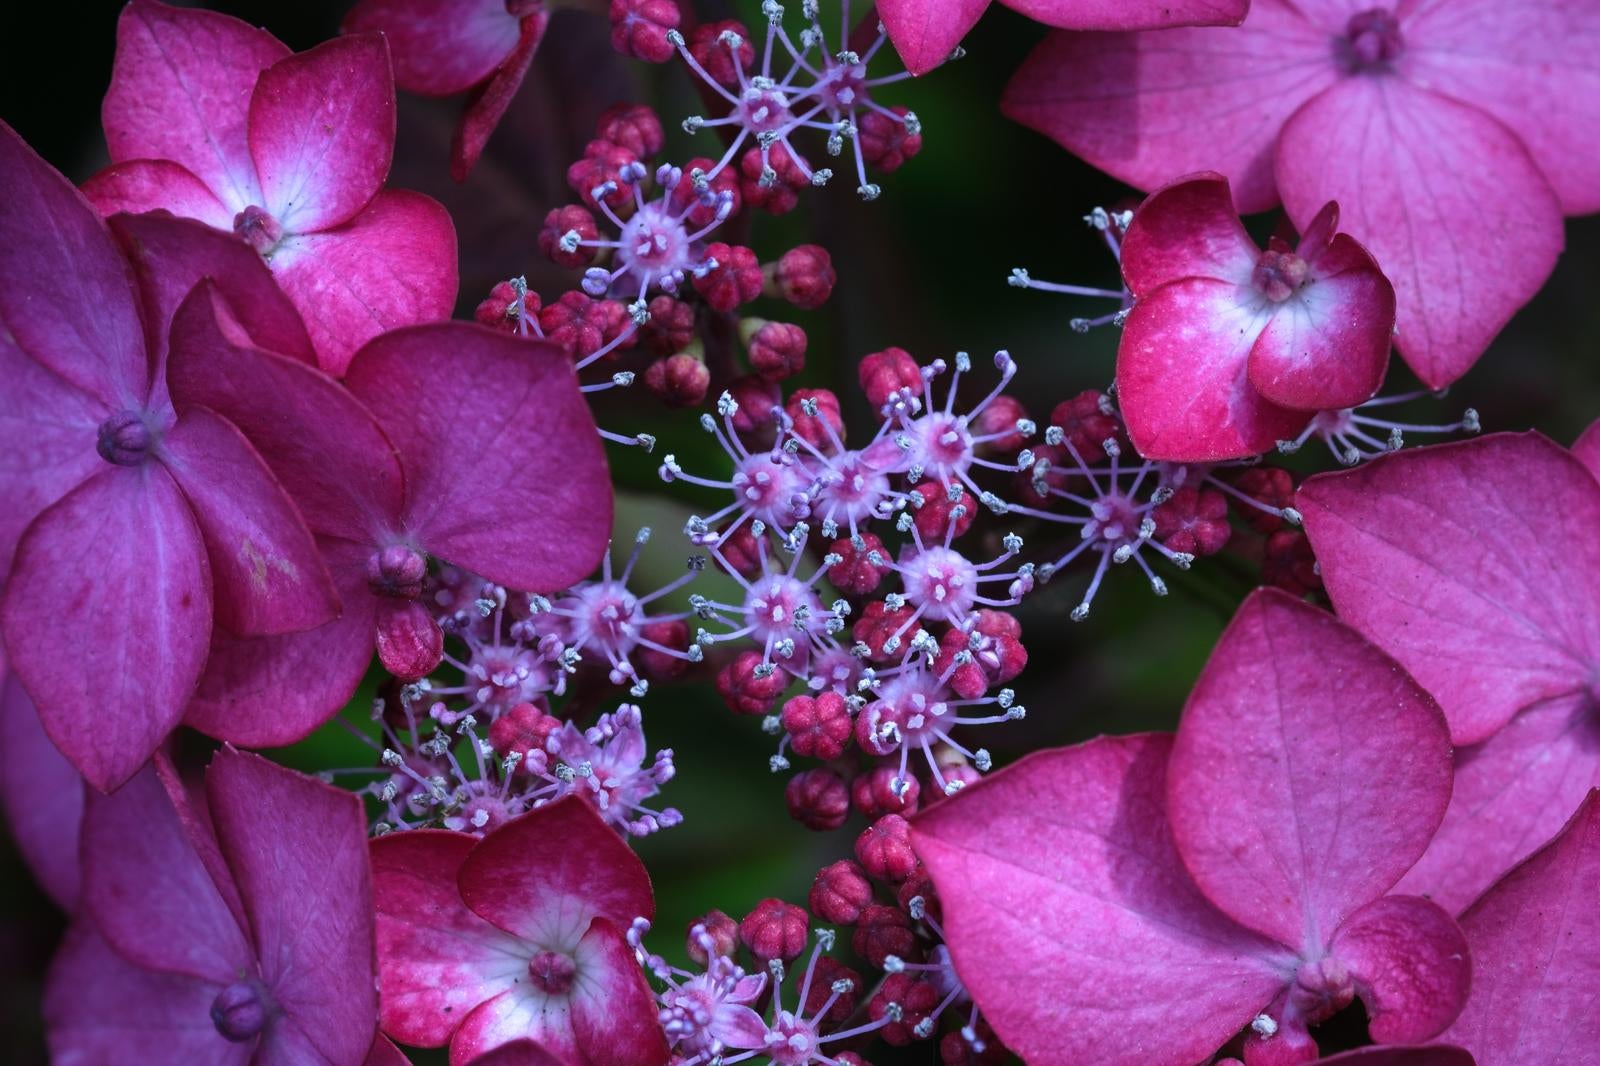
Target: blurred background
<point x="923" y="268"/>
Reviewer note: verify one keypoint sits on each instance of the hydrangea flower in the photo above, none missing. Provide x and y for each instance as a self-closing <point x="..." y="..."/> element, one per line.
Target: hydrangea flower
<point x="445" y="441"/>
<point x="210" y="933"/>
<point x="1454" y="136"/>
<point x="1536" y="982"/>
<point x="1227" y="347"/>
<point x="134" y="524"/>
<point x="212" y="119"/>
<point x="521" y="934"/>
<point x="1477" y="567"/>
<point x="926" y="32"/>
<point x="1141" y="899"/>
<point x="445" y="47"/>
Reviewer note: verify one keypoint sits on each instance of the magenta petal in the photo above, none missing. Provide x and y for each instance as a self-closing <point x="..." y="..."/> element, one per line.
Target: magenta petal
<point x="267" y="576"/>
<point x="517" y="1053"/>
<point x="1308" y="774"/>
<point x="1187" y="229"/>
<point x="1532" y="66"/>
<point x="1474" y="564"/>
<point x="321" y="443"/>
<point x="505" y="472"/>
<point x="303" y="880"/>
<point x="1146" y="107"/>
<point x="394" y="264"/>
<point x="322" y="129"/>
<point x="56" y="258"/>
<point x="42" y="796"/>
<point x="1182" y="375"/>
<point x="613" y="1009"/>
<point x="1513" y="792"/>
<point x="580" y="858"/>
<point x="98" y="1007"/>
<point x="1587" y="448"/>
<point x="1535" y="941"/>
<point x="142" y="185"/>
<point x="48" y="429"/>
<point x="171" y="255"/>
<point x="1327" y="346"/>
<point x="439" y="47"/>
<point x="107" y="618"/>
<point x="1411" y="967"/>
<point x="180" y="90"/>
<point x="437" y="959"/>
<point x="148" y="888"/>
<point x="1131" y="14"/>
<point x="488" y="103"/>
<point x="1071" y="918"/>
<point x="1461" y="221"/>
<point x="925" y="32"/>
<point x="265" y="692"/>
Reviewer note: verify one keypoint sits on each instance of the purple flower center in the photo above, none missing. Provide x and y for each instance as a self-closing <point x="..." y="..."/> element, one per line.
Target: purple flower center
<point x="942" y="582"/>
<point x="125" y="439"/>
<point x="655" y="240"/>
<point x="240" y="1011"/>
<point x="1373" y="38"/>
<point x="552" y="972"/>
<point x="258" y="229"/>
<point x="1279" y="274"/>
<point x="764" y="108"/>
<point x="397" y="572"/>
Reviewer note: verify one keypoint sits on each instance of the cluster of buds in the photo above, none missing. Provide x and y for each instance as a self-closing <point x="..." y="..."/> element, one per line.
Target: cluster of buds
<point x="796" y="88"/>
<point x="735" y="1006"/>
<point x="659" y="295"/>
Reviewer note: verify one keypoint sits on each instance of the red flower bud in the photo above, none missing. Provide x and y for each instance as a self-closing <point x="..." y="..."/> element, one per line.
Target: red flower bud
<point x="716" y="56"/>
<point x="735" y="280"/>
<point x="678" y="380"/>
<point x="818" y="799"/>
<point x="873" y="793"/>
<point x="856" y="574"/>
<point x="819" y="726"/>
<point x="886" y="145"/>
<point x="777" y="350"/>
<point x="775" y="930"/>
<point x="721" y="930"/>
<point x="885" y="373"/>
<point x="840" y="893"/>
<point x="749" y="687"/>
<point x="884" y="849"/>
<point x="805" y="276"/>
<point x="572" y="218"/>
<point x="639" y="28"/>
<point x="635" y="127"/>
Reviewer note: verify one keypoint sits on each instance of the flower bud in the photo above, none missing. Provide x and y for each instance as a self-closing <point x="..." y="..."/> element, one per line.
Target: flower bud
<point x="818" y="799"/>
<point x="635" y="127"/>
<point x="678" y="380"/>
<point x="840" y="893"/>
<point x="639" y="28"/>
<point x="884" y="373"/>
<point x="735" y="280"/>
<point x="748" y="689"/>
<point x="819" y="726"/>
<point x="855" y="573"/>
<point x="721" y="931"/>
<point x="884" y="849"/>
<point x="775" y="930"/>
<point x="558" y="225"/>
<point x="777" y="350"/>
<point x="804" y="276"/>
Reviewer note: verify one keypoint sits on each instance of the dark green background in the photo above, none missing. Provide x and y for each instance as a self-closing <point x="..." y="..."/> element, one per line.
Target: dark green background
<point x="923" y="268"/>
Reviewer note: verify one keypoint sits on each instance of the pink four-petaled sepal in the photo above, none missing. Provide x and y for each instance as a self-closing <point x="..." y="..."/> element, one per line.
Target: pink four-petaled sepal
<point x="1233" y="877"/>
<point x="215" y="120"/>
<point x="1228" y="347"/>
<point x="478" y="946"/>
<point x="214" y="934"/>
